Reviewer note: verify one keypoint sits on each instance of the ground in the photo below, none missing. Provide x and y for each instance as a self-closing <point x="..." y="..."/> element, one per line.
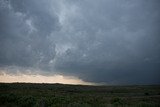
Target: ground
<point x="61" y="95"/>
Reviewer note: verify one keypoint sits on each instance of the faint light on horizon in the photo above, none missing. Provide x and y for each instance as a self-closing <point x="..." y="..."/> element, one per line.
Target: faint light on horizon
<point x="37" y="78"/>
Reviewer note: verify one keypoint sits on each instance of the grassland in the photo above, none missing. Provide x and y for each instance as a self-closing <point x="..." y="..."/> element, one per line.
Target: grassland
<point x="60" y="95"/>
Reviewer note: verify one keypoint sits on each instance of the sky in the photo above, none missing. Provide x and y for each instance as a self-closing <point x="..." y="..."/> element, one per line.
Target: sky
<point x="80" y="41"/>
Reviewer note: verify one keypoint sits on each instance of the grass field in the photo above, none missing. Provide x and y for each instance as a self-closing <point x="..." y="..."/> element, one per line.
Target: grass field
<point x="59" y="95"/>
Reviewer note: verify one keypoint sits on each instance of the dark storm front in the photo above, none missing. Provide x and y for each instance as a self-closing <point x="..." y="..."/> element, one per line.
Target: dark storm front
<point x="109" y="41"/>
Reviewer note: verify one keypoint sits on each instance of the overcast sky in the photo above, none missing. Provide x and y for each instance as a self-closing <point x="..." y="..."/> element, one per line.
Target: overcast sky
<point x="100" y="41"/>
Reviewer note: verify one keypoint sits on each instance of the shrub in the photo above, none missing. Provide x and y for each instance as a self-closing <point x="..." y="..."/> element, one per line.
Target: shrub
<point x="8" y="98"/>
<point x="76" y="104"/>
<point x="117" y="101"/>
<point x="146" y="94"/>
<point x="27" y="101"/>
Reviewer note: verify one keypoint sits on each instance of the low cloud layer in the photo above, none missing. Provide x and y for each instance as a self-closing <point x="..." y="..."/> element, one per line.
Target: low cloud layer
<point x="109" y="41"/>
<point x="7" y="78"/>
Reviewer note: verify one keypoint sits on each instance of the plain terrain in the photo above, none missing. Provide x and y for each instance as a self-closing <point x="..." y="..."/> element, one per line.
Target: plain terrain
<point x="60" y="95"/>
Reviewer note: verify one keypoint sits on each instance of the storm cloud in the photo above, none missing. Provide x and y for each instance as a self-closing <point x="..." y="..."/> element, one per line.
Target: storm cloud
<point x="109" y="41"/>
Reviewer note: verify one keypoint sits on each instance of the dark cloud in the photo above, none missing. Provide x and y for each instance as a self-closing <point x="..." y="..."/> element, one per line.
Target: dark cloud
<point x="114" y="41"/>
<point x="109" y="41"/>
<point x="25" y="31"/>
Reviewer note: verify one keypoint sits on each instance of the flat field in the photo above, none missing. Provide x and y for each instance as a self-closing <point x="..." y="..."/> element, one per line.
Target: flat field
<point x="61" y="95"/>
